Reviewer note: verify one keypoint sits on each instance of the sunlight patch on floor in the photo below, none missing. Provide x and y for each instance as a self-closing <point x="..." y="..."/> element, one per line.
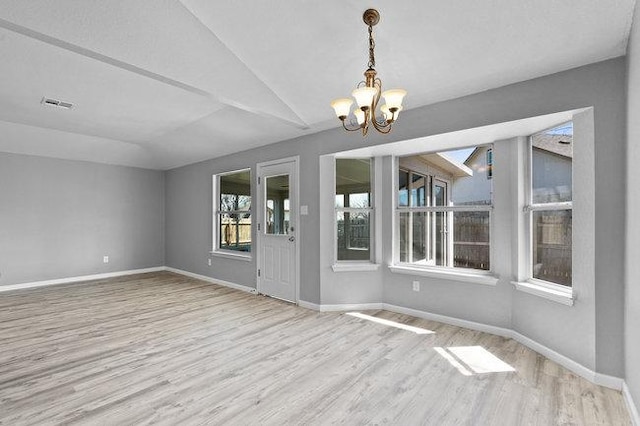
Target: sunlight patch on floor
<point x="469" y="360"/>
<point x="390" y="323"/>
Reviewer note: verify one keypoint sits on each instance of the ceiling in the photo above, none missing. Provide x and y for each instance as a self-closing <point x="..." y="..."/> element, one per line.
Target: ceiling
<point x="163" y="83"/>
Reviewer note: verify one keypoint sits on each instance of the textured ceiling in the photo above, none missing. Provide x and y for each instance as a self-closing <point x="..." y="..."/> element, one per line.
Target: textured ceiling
<point x="163" y="83"/>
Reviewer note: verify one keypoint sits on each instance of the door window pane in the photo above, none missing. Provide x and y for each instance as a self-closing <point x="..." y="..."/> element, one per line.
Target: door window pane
<point x="403" y="188"/>
<point x="418" y="190"/>
<point x="414" y="235"/>
<point x="552" y="246"/>
<point x="439" y="194"/>
<point x="277" y="205"/>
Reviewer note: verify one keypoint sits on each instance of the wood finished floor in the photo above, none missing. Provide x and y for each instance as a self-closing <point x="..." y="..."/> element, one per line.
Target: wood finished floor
<point x="165" y="349"/>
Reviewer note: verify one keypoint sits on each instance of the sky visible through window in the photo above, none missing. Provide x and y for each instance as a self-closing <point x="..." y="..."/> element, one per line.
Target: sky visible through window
<point x="460" y="155"/>
<point x="564" y="129"/>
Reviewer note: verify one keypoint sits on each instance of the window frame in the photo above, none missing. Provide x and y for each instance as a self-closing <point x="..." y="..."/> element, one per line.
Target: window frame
<point x="465" y="274"/>
<point x="216" y="215"/>
<point x="530" y="208"/>
<point x="339" y="265"/>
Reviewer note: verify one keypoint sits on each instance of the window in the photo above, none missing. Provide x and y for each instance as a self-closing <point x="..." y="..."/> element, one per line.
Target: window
<point x="353" y="209"/>
<point x="232" y="211"/>
<point x="444" y="209"/>
<point x="550" y="204"/>
<point x="277" y="209"/>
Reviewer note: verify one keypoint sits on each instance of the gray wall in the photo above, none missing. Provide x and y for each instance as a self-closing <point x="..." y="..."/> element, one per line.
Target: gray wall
<point x="58" y="218"/>
<point x="477" y="187"/>
<point x="632" y="278"/>
<point x="561" y="328"/>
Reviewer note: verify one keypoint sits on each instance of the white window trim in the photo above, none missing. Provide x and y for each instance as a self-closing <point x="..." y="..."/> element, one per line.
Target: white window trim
<point x="452" y="274"/>
<point x="229" y="254"/>
<point x="215" y="248"/>
<point x="355" y="266"/>
<point x="545" y="289"/>
<point x="375" y="231"/>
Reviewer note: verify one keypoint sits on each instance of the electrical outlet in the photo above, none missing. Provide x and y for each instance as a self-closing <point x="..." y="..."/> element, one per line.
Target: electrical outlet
<point x="105" y="259"/>
<point x="209" y="261"/>
<point x="416" y="286"/>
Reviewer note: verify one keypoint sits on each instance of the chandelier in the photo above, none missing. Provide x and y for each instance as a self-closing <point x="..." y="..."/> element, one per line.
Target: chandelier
<point x="367" y="94"/>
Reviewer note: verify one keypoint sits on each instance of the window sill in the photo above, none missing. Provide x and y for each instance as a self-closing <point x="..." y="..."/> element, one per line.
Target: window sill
<point x="231" y="255"/>
<point x="467" y="277"/>
<point x="558" y="295"/>
<point x="355" y="267"/>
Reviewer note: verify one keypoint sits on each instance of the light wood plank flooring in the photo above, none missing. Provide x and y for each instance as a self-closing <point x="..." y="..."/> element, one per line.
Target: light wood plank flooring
<point x="165" y="349"/>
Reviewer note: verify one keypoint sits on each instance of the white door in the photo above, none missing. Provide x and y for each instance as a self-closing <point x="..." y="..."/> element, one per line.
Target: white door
<point x="277" y="229"/>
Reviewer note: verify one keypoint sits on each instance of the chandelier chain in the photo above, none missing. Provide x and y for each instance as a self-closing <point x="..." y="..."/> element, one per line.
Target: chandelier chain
<point x="372" y="45"/>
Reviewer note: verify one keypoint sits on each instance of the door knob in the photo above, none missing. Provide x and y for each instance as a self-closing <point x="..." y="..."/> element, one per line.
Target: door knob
<point x="292" y="238"/>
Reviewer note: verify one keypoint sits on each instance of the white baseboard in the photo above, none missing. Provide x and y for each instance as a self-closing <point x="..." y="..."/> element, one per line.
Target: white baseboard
<point x="607" y="381"/>
<point x="351" y="307"/>
<point x="341" y="307"/>
<point x="633" y="408"/>
<point x="308" y="305"/>
<point x="568" y="363"/>
<point x="211" y="280"/>
<point x="571" y="365"/>
<point x="504" y="332"/>
<point x="68" y="280"/>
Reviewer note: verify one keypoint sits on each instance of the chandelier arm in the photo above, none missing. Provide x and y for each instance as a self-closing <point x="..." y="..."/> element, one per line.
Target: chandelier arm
<point x="377" y="83"/>
<point x="382" y="129"/>
<point x="348" y="129"/>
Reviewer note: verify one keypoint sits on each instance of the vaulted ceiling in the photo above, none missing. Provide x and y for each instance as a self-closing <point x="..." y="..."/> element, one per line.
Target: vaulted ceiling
<point x="163" y="83"/>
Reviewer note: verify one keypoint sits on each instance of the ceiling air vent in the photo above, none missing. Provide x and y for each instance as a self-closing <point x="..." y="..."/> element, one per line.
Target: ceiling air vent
<point x="56" y="103"/>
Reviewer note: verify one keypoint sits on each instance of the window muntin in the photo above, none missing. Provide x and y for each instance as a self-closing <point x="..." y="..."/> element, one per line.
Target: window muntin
<point x="232" y="228"/>
<point x="550" y="205"/>
<point x="353" y="209"/>
<point x="447" y="223"/>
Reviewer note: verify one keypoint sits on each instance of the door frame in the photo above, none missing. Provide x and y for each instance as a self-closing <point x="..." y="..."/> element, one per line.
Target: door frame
<point x="295" y="218"/>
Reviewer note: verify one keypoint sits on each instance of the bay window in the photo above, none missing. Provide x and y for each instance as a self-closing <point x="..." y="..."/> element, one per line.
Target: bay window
<point x="443" y="214"/>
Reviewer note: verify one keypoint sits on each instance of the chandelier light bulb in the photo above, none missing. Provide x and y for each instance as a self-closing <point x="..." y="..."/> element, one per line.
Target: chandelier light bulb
<point x="342" y="107"/>
<point x="364" y="96"/>
<point x="394" y="97"/>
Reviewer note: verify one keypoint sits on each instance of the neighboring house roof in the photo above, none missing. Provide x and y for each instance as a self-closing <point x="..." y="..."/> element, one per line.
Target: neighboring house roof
<point x="468" y="161"/>
<point x="447" y="164"/>
<point x="554" y="143"/>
